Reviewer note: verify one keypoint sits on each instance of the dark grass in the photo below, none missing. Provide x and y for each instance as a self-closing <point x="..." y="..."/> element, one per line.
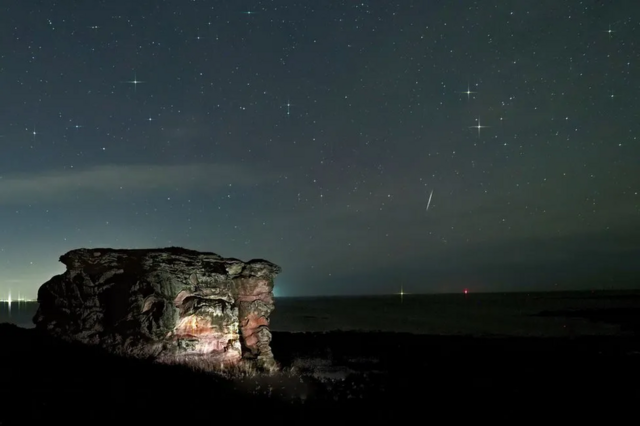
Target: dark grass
<point x="393" y="377"/>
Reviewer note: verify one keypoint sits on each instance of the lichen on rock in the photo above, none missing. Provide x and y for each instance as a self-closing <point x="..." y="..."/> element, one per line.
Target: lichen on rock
<point x="172" y="305"/>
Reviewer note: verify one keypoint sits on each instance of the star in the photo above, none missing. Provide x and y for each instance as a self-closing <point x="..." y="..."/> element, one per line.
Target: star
<point x="478" y="126"/>
<point x="248" y="12"/>
<point x="468" y="92"/>
<point x="135" y="82"/>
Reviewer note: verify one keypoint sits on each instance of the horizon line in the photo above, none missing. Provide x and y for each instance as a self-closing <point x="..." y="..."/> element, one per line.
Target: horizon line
<point x="610" y="290"/>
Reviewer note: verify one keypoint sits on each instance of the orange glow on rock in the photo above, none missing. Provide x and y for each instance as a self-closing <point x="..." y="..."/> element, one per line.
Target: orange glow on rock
<point x="194" y="326"/>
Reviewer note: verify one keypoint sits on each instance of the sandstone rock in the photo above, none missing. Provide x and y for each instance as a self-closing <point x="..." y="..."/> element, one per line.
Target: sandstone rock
<point x="171" y="305"/>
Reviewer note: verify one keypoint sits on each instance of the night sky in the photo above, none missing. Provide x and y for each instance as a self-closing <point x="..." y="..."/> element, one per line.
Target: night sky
<point x="361" y="145"/>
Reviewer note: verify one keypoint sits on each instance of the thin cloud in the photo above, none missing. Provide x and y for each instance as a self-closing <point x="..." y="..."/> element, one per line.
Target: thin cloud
<point x="112" y="180"/>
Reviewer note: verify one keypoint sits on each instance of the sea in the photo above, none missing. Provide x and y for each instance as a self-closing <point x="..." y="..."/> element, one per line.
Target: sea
<point x="481" y="314"/>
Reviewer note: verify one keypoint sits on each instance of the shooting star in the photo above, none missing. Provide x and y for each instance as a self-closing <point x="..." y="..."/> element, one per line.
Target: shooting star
<point x="429" y="202"/>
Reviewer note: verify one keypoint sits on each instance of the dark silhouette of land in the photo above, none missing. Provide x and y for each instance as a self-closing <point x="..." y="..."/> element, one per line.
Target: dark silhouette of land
<point x="362" y="377"/>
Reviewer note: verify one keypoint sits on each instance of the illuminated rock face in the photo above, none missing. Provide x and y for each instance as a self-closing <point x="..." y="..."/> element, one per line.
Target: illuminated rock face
<point x="172" y="305"/>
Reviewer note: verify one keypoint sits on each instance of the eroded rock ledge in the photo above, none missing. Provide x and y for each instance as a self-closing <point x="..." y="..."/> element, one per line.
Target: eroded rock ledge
<point x="172" y="305"/>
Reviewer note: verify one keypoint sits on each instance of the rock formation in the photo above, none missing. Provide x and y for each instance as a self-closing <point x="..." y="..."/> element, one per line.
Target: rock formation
<point x="171" y="305"/>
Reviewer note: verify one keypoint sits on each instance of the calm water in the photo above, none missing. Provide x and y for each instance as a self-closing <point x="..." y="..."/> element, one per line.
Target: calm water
<point x="475" y="314"/>
<point x="510" y="314"/>
<point x="20" y="313"/>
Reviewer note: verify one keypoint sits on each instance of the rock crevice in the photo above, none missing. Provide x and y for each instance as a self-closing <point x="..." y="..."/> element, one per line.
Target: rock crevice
<point x="171" y="304"/>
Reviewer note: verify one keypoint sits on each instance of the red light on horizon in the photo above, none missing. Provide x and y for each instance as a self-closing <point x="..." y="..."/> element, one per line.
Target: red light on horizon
<point x="466" y="291"/>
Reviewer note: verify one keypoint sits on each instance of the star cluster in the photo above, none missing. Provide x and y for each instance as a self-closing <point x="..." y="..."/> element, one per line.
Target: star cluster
<point x="363" y="146"/>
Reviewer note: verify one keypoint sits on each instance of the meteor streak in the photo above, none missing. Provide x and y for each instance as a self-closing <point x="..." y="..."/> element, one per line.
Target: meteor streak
<point x="429" y="202"/>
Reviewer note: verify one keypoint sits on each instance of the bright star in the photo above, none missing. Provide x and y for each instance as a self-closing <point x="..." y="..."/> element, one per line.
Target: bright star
<point x="478" y="126"/>
<point x="135" y="82"/>
<point x="468" y="92"/>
